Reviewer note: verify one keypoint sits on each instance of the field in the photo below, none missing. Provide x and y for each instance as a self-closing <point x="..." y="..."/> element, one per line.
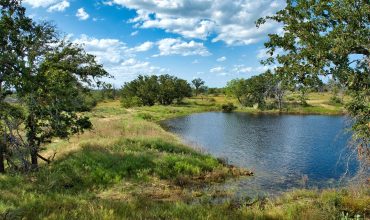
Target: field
<point x="128" y="167"/>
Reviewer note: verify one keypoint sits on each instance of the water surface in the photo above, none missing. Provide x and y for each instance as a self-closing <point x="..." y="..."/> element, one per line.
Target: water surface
<point x="284" y="151"/>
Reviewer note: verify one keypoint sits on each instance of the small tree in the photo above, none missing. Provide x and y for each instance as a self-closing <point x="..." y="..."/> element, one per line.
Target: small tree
<point x="237" y="88"/>
<point x="51" y="96"/>
<point x="198" y="84"/>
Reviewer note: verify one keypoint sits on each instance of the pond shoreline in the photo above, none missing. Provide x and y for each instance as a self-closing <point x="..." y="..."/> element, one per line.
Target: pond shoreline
<point x="128" y="168"/>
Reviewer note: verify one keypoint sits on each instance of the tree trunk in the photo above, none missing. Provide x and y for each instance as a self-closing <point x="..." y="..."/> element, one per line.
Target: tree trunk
<point x="31" y="137"/>
<point x="34" y="157"/>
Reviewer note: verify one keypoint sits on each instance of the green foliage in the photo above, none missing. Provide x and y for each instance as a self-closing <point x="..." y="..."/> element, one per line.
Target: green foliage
<point x="229" y="107"/>
<point x="130" y="101"/>
<point x="323" y="38"/>
<point x="147" y="90"/>
<point x="237" y="88"/>
<point x="49" y="78"/>
<point x="199" y="87"/>
<point x="249" y="91"/>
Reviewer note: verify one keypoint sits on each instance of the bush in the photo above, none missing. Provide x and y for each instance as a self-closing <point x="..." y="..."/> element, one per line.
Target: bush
<point x="145" y="116"/>
<point x="129" y="102"/>
<point x="335" y="100"/>
<point x="229" y="107"/>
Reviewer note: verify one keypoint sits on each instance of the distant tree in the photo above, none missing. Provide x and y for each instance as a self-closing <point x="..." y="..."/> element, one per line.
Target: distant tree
<point x="167" y="89"/>
<point x="336" y="90"/>
<point x="276" y="88"/>
<point x="237" y="88"/>
<point x="107" y="91"/>
<point x="198" y="84"/>
<point x="214" y="91"/>
<point x="323" y="38"/>
<point x="257" y="90"/>
<point x="183" y="90"/>
<point x="249" y="91"/>
<point x="147" y="90"/>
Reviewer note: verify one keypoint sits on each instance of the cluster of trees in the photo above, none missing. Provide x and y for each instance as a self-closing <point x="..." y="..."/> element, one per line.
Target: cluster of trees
<point x="257" y="89"/>
<point x="48" y="77"/>
<point x="148" y="90"/>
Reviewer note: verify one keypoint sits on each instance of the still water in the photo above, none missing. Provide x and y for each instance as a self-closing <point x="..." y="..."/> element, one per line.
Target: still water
<point x="284" y="151"/>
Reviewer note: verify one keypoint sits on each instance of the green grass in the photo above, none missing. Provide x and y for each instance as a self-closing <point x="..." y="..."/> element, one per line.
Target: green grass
<point x="128" y="167"/>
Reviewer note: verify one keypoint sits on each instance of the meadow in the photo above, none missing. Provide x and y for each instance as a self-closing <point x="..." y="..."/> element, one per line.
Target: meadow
<point x="129" y="167"/>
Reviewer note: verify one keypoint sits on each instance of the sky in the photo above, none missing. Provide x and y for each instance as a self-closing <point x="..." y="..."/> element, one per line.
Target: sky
<point x="215" y="40"/>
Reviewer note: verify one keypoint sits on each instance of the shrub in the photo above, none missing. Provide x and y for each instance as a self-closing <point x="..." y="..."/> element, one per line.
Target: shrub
<point x="129" y="102"/>
<point x="145" y="116"/>
<point x="229" y="107"/>
<point x="335" y="100"/>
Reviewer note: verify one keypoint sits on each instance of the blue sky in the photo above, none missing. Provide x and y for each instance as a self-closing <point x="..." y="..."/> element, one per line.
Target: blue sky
<point x="215" y="40"/>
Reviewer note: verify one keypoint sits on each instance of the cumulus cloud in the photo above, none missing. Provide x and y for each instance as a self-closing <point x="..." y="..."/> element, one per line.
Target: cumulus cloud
<point x="221" y="59"/>
<point x="171" y="46"/>
<point x="242" y="69"/>
<point x="61" y="6"/>
<point x="218" y="69"/>
<point x="41" y="3"/>
<point x="118" y="59"/>
<point x="230" y="21"/>
<point x="143" y="47"/>
<point x="82" y="14"/>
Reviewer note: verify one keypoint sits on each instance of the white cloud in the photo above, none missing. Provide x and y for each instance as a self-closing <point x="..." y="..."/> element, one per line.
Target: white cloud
<point x="41" y="3"/>
<point x="171" y="46"/>
<point x="143" y="47"/>
<point x="230" y="21"/>
<point x="195" y="61"/>
<point x="221" y="59"/>
<point x="61" y="6"/>
<point x="82" y="14"/>
<point x="218" y="69"/>
<point x="117" y="58"/>
<point x="134" y="33"/>
<point x="242" y="69"/>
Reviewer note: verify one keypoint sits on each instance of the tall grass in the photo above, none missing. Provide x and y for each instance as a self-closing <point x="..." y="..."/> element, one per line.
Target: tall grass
<point x="128" y="167"/>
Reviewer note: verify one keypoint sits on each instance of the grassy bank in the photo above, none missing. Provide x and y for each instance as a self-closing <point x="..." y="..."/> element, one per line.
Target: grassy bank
<point x="128" y="167"/>
<point x="317" y="103"/>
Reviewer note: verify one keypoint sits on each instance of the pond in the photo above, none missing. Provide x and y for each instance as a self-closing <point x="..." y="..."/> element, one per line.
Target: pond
<point x="283" y="151"/>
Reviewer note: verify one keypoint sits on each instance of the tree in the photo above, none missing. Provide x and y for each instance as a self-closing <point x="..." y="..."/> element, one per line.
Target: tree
<point x="237" y="88"/>
<point x="147" y="90"/>
<point x="249" y="91"/>
<point x="183" y="89"/>
<point x="198" y="84"/>
<point x="46" y="76"/>
<point x="276" y="88"/>
<point x="167" y="89"/>
<point x="51" y="95"/>
<point x="336" y="90"/>
<point x="15" y="29"/>
<point x="324" y="38"/>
